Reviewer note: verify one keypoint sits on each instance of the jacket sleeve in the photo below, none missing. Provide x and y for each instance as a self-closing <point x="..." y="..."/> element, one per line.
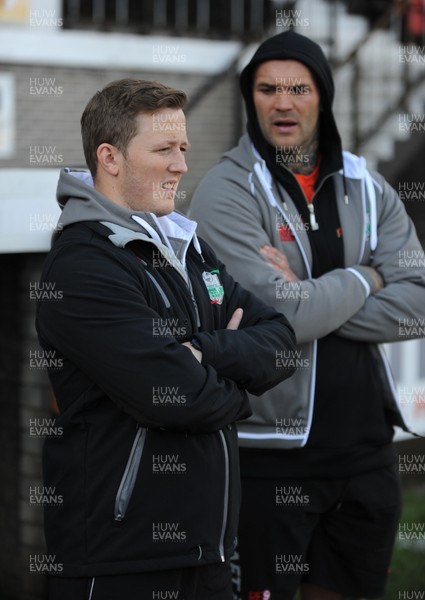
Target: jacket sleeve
<point x="102" y="328"/>
<point x="230" y="219"/>
<point x="249" y="355"/>
<point x="397" y="312"/>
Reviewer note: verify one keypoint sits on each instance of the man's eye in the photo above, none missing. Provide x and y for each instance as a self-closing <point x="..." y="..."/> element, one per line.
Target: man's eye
<point x="303" y="89"/>
<point x="267" y="90"/>
<point x="298" y="89"/>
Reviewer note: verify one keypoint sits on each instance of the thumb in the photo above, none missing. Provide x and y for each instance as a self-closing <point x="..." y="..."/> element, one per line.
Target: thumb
<point x="235" y="319"/>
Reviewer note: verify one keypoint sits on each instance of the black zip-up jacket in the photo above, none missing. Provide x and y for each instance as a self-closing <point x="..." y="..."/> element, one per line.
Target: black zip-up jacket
<point x="146" y="456"/>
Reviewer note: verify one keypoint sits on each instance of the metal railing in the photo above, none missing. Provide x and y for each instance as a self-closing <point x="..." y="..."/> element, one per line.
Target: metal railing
<point x="408" y="81"/>
<point x="224" y="19"/>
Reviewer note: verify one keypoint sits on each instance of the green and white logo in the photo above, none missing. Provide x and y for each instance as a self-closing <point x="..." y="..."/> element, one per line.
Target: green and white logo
<point x="214" y="287"/>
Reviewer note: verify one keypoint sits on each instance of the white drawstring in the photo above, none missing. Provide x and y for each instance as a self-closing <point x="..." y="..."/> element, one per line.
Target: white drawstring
<point x="373" y="217"/>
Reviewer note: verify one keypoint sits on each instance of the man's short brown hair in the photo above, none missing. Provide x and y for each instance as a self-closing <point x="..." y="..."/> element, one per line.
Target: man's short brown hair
<point x="110" y="116"/>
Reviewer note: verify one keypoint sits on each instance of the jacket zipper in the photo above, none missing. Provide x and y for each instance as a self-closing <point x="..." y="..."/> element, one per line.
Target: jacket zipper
<point x="310" y="203"/>
<point x="166" y="300"/>
<point x="128" y="479"/>
<point x="226" y="495"/>
<point x="272" y="201"/>
<point x="195" y="305"/>
<point x="302" y="251"/>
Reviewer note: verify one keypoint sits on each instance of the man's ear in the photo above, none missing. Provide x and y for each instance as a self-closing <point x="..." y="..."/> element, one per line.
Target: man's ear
<point x="108" y="158"/>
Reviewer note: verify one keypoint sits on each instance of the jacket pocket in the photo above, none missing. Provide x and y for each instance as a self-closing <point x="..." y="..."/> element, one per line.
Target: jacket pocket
<point x="159" y="290"/>
<point x="128" y="479"/>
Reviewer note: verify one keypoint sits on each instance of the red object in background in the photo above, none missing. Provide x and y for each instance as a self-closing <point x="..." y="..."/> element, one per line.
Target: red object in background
<point x="416" y="18"/>
<point x="412" y="13"/>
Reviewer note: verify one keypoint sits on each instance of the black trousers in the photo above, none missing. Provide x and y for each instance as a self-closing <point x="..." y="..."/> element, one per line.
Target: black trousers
<point x="337" y="534"/>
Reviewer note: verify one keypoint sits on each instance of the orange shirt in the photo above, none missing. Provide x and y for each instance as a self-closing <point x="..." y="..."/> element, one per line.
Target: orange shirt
<point x="307" y="182"/>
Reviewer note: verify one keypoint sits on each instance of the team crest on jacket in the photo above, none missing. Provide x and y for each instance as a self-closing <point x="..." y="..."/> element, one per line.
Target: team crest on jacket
<point x="213" y="285"/>
<point x="286" y="234"/>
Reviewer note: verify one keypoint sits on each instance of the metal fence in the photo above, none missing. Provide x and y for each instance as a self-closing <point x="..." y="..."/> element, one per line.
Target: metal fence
<point x="224" y="19"/>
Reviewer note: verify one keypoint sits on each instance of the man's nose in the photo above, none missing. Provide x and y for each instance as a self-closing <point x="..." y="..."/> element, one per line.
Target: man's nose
<point x="283" y="100"/>
<point x="179" y="164"/>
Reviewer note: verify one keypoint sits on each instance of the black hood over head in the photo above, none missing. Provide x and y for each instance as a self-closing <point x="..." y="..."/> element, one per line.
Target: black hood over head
<point x="293" y="46"/>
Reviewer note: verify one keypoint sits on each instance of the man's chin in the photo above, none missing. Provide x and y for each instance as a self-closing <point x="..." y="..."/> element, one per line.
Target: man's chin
<point x="164" y="211"/>
<point x="288" y="142"/>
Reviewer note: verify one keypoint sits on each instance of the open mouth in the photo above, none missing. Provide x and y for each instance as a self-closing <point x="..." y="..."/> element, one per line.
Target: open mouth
<point x="171" y="187"/>
<point x="285" y="124"/>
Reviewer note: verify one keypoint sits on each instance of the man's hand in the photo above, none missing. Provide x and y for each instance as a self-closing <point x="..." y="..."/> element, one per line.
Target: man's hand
<point x="378" y="282"/>
<point x="279" y="262"/>
<point x="196" y="353"/>
<point x="235" y="321"/>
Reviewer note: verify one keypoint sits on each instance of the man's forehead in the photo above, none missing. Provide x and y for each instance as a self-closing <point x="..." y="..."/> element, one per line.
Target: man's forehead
<point x="278" y="68"/>
<point x="171" y="115"/>
<point x="167" y="124"/>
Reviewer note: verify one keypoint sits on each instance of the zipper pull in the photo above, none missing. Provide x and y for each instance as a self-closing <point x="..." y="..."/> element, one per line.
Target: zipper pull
<point x="314" y="224"/>
<point x="195" y="305"/>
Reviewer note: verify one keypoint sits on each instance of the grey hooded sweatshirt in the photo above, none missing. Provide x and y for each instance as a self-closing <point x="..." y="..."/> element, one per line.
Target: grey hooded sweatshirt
<point x="241" y="204"/>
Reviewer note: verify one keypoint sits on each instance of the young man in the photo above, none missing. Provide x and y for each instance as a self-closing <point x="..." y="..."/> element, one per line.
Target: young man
<point x="310" y="230"/>
<point x="157" y="345"/>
